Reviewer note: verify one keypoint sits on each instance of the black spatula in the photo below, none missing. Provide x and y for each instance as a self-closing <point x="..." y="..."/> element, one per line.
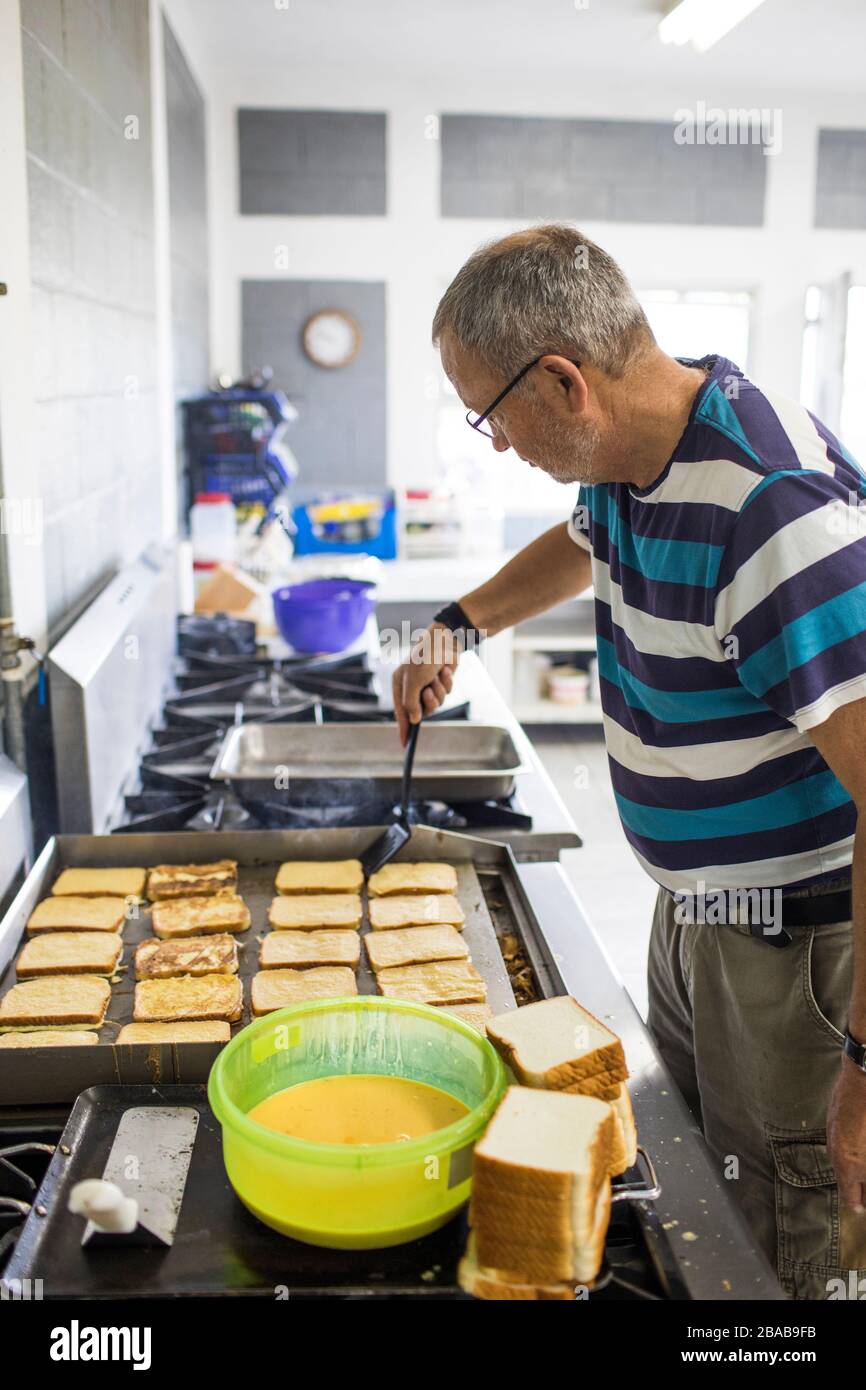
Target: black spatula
<point x="382" y="851"/>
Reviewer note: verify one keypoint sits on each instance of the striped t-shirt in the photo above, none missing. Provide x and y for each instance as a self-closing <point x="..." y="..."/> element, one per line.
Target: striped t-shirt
<point x="730" y="604"/>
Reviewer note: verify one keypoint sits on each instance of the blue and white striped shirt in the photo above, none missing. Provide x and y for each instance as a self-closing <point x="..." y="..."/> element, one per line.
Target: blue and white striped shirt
<point x="730" y="603"/>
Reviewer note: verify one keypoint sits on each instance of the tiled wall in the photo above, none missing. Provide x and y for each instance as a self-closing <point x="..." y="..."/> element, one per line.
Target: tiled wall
<point x="340" y="435"/>
<point x="188" y="232"/>
<point x="87" y="90"/>
<point x="840" y="193"/>
<point x="613" y="171"/>
<point x="314" y="162"/>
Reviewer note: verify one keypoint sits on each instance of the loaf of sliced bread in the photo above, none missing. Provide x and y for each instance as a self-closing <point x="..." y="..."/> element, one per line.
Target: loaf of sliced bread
<point x="480" y="1282"/>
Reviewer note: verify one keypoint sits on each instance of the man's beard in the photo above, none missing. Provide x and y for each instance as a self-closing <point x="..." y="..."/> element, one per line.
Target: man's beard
<point x="569" y="454"/>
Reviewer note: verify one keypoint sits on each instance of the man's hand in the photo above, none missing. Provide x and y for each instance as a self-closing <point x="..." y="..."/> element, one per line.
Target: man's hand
<point x="421" y="683"/>
<point x="846" y="1134"/>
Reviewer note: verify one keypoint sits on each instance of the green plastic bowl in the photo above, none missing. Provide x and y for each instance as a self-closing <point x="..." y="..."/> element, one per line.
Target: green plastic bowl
<point x="353" y="1196"/>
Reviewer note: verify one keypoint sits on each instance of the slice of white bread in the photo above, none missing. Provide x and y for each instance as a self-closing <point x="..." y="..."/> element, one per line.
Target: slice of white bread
<point x="416" y="910"/>
<point x="70" y="953"/>
<point x="541" y="1188"/>
<point x="307" y="911"/>
<point x="47" y="1037"/>
<point x="625" y="1147"/>
<point x="78" y="914"/>
<point x="491" y="1284"/>
<point x="193" y="916"/>
<point x="211" y="1031"/>
<point x="414" y="945"/>
<point x="191" y="996"/>
<point x="55" y="1001"/>
<point x="191" y="880"/>
<point x="188" y="955"/>
<point x="100" y="883"/>
<point x="275" y="989"/>
<point x="320" y="876"/>
<point x="557" y="1044"/>
<point x="436" y="982"/>
<point x="303" y="948"/>
<point x="476" y="1014"/>
<point x="420" y="877"/>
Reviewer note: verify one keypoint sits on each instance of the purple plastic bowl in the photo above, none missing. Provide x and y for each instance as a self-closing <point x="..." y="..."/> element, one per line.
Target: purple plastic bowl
<point x="323" y="615"/>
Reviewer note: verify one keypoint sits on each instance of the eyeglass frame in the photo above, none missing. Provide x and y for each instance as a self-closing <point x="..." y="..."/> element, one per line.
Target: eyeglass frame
<point x="485" y="414"/>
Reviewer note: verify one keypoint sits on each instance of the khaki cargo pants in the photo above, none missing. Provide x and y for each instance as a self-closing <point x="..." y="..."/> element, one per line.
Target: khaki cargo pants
<point x="752" y="1036"/>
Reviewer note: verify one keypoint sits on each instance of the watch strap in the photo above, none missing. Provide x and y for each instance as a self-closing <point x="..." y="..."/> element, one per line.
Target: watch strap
<point x="457" y="620"/>
<point x="855" y="1050"/>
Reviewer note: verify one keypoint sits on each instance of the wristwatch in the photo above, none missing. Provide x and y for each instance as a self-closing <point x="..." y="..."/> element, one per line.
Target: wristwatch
<point x="457" y="621"/>
<point x="855" y="1050"/>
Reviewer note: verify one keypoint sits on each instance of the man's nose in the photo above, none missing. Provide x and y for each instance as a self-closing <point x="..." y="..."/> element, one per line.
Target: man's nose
<point x="500" y="442"/>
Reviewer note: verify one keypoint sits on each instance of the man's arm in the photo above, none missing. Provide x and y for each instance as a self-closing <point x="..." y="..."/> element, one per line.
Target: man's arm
<point x="840" y="740"/>
<point x="548" y="571"/>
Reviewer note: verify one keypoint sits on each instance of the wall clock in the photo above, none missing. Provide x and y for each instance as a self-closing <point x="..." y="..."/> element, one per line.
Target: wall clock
<point x="331" y="338"/>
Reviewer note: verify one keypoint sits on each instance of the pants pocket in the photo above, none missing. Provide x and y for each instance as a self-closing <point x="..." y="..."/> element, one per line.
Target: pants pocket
<point x="827" y="976"/>
<point x="807" y="1214"/>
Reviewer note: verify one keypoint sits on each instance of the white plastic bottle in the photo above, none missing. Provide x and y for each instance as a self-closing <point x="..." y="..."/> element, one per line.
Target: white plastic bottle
<point x="213" y="529"/>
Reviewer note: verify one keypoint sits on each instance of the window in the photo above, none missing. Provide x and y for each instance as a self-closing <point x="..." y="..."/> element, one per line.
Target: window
<point x="695" y="323"/>
<point x="852" y="428"/>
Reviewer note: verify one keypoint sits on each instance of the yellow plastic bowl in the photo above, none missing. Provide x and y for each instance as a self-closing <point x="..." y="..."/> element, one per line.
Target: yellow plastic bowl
<point x="353" y="1196"/>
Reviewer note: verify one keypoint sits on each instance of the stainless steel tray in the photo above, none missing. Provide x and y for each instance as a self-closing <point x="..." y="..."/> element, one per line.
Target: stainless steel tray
<point x="321" y="763"/>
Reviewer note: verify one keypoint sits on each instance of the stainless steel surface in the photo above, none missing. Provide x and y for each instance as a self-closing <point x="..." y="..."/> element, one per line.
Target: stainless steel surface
<point x="161" y="1139"/>
<point x="16" y="837"/>
<point x="455" y="762"/>
<point x="717" y="1257"/>
<point x="108" y="676"/>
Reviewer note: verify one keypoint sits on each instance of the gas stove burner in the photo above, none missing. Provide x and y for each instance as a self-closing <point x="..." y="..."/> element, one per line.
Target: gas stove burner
<point x="217" y="635"/>
<point x="23" y="1161"/>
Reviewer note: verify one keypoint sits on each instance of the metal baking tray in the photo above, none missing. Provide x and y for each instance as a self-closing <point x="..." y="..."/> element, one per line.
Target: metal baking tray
<point x="27" y="1078"/>
<point x="454" y="761"/>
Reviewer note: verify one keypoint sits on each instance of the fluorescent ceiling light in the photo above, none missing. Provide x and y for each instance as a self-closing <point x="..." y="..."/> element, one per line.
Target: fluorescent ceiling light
<point x="703" y="22"/>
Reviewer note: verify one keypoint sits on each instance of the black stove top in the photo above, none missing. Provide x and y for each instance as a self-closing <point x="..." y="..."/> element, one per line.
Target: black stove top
<point x="223" y="678"/>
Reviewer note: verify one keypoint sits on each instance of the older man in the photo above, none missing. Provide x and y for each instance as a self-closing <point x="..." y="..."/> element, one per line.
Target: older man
<point x="722" y="530"/>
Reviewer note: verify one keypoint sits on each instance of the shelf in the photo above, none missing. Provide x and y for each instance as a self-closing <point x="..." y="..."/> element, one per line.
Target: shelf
<point x="546" y="712"/>
<point x="564" y="641"/>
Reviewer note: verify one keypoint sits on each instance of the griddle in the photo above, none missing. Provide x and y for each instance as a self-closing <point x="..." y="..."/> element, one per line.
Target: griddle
<point x="220" y="1249"/>
<point x="25" y="1076"/>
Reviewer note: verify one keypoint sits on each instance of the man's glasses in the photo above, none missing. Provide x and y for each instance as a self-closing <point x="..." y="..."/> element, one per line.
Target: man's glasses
<point x="478" y="421"/>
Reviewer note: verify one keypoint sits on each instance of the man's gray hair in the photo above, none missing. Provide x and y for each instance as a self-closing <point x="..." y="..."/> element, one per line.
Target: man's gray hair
<point x="546" y="289"/>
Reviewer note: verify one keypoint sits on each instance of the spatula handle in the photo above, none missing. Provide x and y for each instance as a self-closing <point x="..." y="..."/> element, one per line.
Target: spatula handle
<point x="408" y="760"/>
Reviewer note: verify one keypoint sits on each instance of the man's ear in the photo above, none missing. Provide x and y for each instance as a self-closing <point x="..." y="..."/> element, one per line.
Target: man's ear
<point x="564" y="384"/>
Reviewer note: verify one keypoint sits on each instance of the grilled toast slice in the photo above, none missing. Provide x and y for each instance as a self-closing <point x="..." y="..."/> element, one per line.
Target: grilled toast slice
<point x="48" y="1037"/>
<point x="100" y="883"/>
<point x="275" y="989"/>
<point x="414" y="946"/>
<point x="78" y="914"/>
<point x="190" y="996"/>
<point x="437" y="982"/>
<point x="191" y="880"/>
<point x="70" y="953"/>
<point x="307" y="911"/>
<point x="416" y="910"/>
<point x="296" y="949"/>
<point x="320" y="876"/>
<point x="421" y="877"/>
<point x="190" y="955"/>
<point x="55" y="1001"/>
<point x="194" y="916"/>
<point x="185" y="1031"/>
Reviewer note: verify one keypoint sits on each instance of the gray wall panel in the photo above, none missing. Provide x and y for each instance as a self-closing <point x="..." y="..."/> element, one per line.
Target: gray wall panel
<point x="86" y="72"/>
<point x="188" y="233"/>
<point x="339" y="438"/>
<point x="312" y="162"/>
<point x="626" y="171"/>
<point x="840" y="192"/>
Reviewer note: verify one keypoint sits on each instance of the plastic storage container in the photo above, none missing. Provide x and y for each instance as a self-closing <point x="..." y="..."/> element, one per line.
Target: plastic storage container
<point x="323" y="615"/>
<point x="349" y="1196"/>
<point x="213" y="528"/>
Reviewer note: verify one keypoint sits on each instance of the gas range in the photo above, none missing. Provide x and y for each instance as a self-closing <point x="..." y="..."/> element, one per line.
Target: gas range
<point x="224" y="678"/>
